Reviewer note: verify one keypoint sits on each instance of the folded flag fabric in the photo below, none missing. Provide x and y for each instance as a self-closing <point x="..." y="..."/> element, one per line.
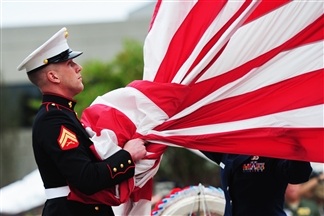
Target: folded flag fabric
<point x="242" y="77"/>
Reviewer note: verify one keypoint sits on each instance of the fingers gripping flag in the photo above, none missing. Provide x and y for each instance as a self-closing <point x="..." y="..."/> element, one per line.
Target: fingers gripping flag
<point x="241" y="77"/>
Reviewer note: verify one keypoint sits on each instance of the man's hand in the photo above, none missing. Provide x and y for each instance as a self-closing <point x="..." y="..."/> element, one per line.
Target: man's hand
<point x="136" y="148"/>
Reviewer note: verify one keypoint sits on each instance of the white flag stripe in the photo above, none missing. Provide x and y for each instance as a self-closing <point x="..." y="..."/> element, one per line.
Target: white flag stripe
<point x="264" y="75"/>
<point x="256" y="38"/>
<point x="143" y="112"/>
<point x="228" y="11"/>
<point x="105" y="143"/>
<point x="309" y="117"/>
<point x="146" y="173"/>
<point x="142" y="208"/>
<point x="168" y="18"/>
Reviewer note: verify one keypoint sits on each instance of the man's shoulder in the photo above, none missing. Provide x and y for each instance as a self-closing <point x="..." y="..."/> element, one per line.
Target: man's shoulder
<point x="48" y="115"/>
<point x="52" y="109"/>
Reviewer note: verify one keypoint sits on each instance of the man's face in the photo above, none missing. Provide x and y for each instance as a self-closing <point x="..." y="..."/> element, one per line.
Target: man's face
<point x="70" y="77"/>
<point x="292" y="192"/>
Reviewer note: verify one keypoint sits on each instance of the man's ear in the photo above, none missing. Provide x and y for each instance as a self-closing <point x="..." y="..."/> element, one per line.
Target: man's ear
<point x="53" y="76"/>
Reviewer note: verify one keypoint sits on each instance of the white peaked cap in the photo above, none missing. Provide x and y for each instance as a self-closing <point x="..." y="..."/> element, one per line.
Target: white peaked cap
<point x="54" y="50"/>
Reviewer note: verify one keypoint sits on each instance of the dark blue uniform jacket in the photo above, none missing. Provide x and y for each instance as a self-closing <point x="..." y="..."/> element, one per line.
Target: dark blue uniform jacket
<point x="62" y="153"/>
<point x="255" y="186"/>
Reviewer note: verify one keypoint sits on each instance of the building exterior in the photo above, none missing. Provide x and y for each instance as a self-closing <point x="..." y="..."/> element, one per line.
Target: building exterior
<point x="97" y="40"/>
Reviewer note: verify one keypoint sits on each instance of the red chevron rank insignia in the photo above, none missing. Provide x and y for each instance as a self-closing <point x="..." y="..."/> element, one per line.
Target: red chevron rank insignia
<point x="67" y="139"/>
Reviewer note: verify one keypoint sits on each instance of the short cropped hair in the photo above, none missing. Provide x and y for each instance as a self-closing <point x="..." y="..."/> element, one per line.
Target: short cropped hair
<point x="38" y="77"/>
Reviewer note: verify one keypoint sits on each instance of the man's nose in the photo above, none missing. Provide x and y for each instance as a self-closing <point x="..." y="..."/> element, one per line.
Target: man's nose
<point x="79" y="67"/>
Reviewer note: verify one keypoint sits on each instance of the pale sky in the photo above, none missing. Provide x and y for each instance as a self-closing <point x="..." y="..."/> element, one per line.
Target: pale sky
<point x="46" y="12"/>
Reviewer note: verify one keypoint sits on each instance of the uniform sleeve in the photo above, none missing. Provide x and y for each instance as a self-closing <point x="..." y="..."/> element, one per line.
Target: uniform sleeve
<point x="294" y="172"/>
<point x="68" y="147"/>
<point x="214" y="156"/>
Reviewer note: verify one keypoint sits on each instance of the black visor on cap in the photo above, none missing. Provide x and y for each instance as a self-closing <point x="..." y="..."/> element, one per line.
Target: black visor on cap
<point x="64" y="56"/>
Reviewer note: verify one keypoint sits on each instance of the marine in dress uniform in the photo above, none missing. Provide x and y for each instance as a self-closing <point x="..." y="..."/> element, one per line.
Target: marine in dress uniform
<point x="62" y="146"/>
<point x="256" y="185"/>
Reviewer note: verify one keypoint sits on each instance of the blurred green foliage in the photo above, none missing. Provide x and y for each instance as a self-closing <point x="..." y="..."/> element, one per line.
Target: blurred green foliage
<point x="101" y="77"/>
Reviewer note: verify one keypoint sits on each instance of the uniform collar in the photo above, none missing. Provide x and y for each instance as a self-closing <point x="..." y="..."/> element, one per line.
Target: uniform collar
<point x="59" y="100"/>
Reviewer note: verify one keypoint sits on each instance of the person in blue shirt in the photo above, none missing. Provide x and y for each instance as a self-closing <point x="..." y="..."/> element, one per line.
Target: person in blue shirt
<point x="255" y="185"/>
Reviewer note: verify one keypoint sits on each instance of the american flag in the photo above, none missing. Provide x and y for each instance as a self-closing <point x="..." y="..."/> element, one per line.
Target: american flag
<point x="242" y="77"/>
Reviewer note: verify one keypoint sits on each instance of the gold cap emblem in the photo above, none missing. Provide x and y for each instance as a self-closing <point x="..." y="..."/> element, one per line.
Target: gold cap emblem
<point x="66" y="34"/>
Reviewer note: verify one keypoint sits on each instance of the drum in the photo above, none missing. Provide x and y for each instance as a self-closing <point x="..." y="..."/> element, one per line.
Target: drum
<point x="192" y="201"/>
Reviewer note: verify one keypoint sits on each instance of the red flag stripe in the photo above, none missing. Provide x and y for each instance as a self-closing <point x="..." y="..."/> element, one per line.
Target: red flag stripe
<point x="248" y="44"/>
<point x="198" y="20"/>
<point x="166" y="15"/>
<point x="156" y="10"/>
<point x="294" y="93"/>
<point x="268" y="142"/>
<point x="219" y="34"/>
<point x="257" y="79"/>
<point x="172" y="44"/>
<point x="266" y="7"/>
<point x="282" y="119"/>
